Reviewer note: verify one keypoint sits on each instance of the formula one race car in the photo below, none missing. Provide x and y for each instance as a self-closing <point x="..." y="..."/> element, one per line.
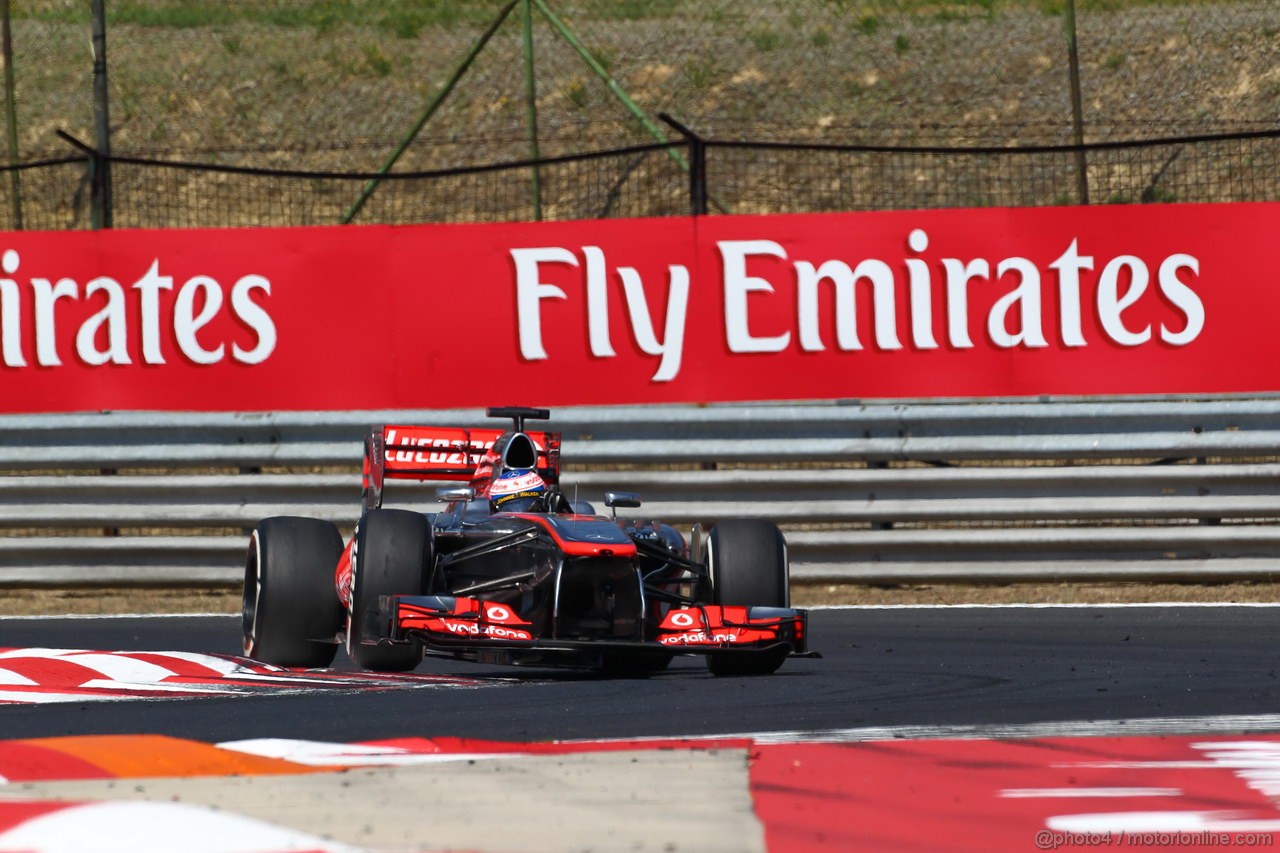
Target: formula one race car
<point x="511" y="571"/>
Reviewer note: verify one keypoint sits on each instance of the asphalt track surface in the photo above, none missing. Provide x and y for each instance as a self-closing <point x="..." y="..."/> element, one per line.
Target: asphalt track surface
<point x="929" y="667"/>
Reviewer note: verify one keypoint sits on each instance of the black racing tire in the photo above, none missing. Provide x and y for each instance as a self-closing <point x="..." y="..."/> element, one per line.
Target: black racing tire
<point x="393" y="555"/>
<point x="290" y="613"/>
<point x="747" y="565"/>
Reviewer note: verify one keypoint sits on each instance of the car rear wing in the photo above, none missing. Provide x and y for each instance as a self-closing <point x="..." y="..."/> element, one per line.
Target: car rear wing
<point x="397" y="452"/>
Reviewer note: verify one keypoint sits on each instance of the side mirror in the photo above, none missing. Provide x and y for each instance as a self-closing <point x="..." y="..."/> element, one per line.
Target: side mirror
<point x="455" y="493"/>
<point x="613" y="500"/>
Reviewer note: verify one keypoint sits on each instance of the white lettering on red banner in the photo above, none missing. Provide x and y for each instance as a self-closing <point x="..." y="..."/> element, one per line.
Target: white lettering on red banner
<point x="530" y="291"/>
<point x="129" y="318"/>
<point x="1019" y="308"/>
<point x="1016" y="318"/>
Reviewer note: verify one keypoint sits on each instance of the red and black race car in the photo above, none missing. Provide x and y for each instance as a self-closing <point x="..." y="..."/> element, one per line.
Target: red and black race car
<point x="512" y="571"/>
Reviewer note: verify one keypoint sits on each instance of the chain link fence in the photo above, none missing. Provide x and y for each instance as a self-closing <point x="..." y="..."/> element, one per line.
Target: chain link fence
<point x="283" y="111"/>
<point x="787" y="178"/>
<point x="640" y="181"/>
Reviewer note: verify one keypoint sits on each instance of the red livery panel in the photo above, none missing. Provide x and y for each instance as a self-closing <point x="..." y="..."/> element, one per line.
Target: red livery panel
<point x="468" y="617"/>
<point x="716" y="626"/>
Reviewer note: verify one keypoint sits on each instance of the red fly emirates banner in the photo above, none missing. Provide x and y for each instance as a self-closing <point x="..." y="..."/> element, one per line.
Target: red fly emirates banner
<point x="998" y="302"/>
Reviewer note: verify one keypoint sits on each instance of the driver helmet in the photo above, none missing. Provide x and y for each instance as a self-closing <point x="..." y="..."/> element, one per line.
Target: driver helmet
<point x="518" y="490"/>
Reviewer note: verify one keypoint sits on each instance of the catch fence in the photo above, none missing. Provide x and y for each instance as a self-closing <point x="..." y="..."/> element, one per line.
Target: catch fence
<point x="696" y="176"/>
<point x="279" y="112"/>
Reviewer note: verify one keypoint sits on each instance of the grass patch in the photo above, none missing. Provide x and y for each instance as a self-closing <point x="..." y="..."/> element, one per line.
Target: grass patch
<point x="1059" y="7"/>
<point x="402" y="18"/>
<point x="175" y="15"/>
<point x="635" y="10"/>
<point x="576" y="94"/>
<point x="765" y="39"/>
<point x="377" y="61"/>
<point x="701" y="72"/>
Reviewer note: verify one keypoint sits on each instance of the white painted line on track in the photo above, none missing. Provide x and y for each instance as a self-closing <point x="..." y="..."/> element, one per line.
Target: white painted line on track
<point x="129" y="827"/>
<point x="114" y="667"/>
<point x="8" y="678"/>
<point x="1137" y="727"/>
<point x="152" y="687"/>
<point x="31" y="697"/>
<point x="1072" y="793"/>
<point x="324" y="754"/>
<point x="1136" y="823"/>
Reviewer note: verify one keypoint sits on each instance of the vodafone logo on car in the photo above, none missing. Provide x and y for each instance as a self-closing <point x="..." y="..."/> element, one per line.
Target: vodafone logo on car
<point x="682" y="620"/>
<point x="147" y="317"/>
<point x="501" y="614"/>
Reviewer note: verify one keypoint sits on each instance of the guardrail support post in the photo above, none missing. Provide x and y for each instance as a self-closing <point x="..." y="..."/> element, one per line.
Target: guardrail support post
<point x="96" y="165"/>
<point x="11" y="117"/>
<point x="697" y="165"/>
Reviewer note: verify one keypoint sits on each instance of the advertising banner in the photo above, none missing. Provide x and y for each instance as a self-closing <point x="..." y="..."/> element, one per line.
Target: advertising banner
<point x="1156" y="299"/>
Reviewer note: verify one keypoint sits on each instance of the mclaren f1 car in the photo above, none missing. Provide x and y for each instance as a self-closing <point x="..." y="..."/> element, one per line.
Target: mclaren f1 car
<point x="510" y="570"/>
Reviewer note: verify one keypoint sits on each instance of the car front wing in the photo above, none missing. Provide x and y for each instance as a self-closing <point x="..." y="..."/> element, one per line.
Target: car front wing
<point x="459" y="625"/>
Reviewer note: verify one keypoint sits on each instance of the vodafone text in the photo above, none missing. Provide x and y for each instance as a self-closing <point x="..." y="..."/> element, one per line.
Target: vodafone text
<point x="1015" y="319"/>
<point x="474" y="630"/>
<point x="697" y="638"/>
<point x="129" y="319"/>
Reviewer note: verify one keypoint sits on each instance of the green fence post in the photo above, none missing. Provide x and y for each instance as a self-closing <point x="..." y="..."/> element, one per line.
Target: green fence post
<point x="439" y="99"/>
<point x="531" y="106"/>
<point x="600" y="71"/>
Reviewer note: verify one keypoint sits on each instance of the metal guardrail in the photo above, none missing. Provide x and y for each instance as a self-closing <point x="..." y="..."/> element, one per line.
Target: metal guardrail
<point x="871" y="493"/>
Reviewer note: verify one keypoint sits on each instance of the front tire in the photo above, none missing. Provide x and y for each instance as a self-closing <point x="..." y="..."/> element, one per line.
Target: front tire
<point x="747" y="564"/>
<point x="290" y="612"/>
<point x="392" y="556"/>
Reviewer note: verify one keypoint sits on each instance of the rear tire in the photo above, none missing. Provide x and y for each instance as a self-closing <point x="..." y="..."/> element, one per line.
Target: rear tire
<point x="393" y="555"/>
<point x="747" y="564"/>
<point x="289" y="604"/>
